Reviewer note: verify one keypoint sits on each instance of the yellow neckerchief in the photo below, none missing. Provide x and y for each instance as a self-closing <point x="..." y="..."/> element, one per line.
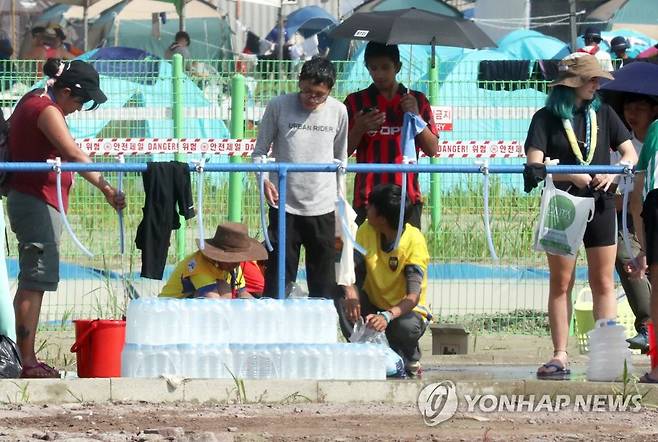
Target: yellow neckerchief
<point x="590" y="135"/>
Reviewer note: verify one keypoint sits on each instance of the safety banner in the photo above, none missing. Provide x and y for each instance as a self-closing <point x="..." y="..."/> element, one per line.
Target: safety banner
<point x="244" y="147"/>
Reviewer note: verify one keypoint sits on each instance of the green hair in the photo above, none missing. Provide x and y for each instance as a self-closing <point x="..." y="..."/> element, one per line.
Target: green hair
<point x="561" y="101"/>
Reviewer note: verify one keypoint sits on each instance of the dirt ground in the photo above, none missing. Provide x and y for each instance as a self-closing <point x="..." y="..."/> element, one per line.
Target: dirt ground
<point x="303" y="422"/>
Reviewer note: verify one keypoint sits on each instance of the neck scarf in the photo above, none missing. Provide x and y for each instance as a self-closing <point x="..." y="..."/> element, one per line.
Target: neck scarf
<point x="591" y="131"/>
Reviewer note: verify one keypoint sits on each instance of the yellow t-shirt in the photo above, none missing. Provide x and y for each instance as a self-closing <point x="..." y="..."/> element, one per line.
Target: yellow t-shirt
<point x="386" y="282"/>
<point x="196" y="274"/>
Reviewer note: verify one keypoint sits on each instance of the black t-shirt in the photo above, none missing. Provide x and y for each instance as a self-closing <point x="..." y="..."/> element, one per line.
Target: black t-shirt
<point x="547" y="134"/>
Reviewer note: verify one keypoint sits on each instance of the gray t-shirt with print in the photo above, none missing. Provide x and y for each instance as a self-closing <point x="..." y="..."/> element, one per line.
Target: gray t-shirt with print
<point x="297" y="135"/>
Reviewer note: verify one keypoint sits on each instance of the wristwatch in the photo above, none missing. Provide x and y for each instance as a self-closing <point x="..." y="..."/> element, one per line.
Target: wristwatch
<point x="387" y="315"/>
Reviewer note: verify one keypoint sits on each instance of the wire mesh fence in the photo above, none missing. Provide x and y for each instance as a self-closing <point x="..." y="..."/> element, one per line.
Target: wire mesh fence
<point x="465" y="284"/>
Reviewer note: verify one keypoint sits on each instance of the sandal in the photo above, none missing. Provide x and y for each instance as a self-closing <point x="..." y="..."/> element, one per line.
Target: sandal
<point x="554" y="369"/>
<point x="647" y="379"/>
<point x="40" y="370"/>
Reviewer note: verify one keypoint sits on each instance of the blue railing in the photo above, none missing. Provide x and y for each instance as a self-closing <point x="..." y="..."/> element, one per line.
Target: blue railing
<point x="282" y="169"/>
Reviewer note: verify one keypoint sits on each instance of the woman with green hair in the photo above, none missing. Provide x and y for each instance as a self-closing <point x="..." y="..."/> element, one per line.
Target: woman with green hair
<point x="577" y="129"/>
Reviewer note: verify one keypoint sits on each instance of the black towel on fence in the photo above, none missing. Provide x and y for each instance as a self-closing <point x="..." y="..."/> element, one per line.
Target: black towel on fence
<point x="166" y="185"/>
<point x="506" y="75"/>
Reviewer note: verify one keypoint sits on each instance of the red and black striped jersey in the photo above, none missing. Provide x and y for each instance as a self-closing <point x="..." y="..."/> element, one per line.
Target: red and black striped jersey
<point x="384" y="145"/>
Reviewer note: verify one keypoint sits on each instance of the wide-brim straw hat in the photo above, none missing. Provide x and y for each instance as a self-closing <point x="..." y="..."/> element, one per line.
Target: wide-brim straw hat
<point x="576" y="69"/>
<point x="232" y="243"/>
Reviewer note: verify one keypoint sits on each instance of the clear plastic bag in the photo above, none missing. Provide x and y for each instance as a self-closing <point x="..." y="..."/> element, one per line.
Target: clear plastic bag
<point x="562" y="221"/>
<point x="366" y="335"/>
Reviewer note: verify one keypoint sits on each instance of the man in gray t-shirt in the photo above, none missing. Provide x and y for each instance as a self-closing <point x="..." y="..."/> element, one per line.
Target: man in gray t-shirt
<point x="305" y="127"/>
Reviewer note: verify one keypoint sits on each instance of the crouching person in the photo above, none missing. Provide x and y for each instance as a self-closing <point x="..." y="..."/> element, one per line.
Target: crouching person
<point x="391" y="283"/>
<point x="218" y="269"/>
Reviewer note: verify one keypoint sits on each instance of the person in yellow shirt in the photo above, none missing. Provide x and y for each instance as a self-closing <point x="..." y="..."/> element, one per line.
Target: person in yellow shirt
<point x="391" y="284"/>
<point x="215" y="271"/>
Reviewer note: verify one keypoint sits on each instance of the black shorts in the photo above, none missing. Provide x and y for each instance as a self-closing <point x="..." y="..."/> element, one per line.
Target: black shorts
<point x="602" y="229"/>
<point x="650" y="218"/>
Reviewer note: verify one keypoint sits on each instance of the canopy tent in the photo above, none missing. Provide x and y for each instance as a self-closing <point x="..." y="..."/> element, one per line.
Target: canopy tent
<point x="130" y="23"/>
<point x="640" y="15"/>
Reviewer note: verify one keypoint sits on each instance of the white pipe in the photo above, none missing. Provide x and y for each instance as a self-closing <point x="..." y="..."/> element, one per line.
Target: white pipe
<point x="199" y="189"/>
<point x="57" y="168"/>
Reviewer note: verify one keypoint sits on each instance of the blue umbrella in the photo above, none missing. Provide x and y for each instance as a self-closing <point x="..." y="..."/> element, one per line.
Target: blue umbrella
<point x="308" y="21"/>
<point x="638" y="78"/>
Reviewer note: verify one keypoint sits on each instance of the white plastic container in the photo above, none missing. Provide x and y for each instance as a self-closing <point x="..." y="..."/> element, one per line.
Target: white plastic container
<point x="608" y="352"/>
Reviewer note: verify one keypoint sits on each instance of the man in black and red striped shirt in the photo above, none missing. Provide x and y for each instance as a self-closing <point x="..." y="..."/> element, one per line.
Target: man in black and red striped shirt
<point x="375" y="127"/>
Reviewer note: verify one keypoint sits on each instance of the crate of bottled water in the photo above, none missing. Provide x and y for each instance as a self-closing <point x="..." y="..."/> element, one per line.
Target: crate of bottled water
<point x="162" y="321"/>
<point x="256" y="361"/>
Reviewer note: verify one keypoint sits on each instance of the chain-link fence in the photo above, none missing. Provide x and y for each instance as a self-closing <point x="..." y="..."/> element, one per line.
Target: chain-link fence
<point x="465" y="283"/>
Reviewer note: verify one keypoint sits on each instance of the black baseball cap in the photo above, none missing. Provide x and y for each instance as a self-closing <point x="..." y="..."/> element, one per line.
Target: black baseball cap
<point x="592" y="33"/>
<point x="83" y="80"/>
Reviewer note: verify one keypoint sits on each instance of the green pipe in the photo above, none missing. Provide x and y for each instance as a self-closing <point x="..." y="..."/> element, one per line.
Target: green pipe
<point x="435" y="178"/>
<point x="237" y="131"/>
<point x="179" y="132"/>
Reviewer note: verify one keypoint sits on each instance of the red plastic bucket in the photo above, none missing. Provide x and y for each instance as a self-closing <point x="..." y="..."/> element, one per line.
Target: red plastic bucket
<point x="653" y="351"/>
<point x="98" y="344"/>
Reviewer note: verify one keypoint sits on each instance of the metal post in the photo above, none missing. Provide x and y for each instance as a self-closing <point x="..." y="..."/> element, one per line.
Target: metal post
<point x="237" y="131"/>
<point x="281" y="252"/>
<point x="435" y="178"/>
<point x="85" y="26"/>
<point x="179" y="132"/>
<point x="572" y="24"/>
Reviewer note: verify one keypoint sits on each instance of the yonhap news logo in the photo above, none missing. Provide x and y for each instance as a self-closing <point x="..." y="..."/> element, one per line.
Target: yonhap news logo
<point x="438" y="402"/>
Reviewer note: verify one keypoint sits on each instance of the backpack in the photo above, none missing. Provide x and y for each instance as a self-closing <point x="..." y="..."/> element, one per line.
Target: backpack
<point x="4" y="149"/>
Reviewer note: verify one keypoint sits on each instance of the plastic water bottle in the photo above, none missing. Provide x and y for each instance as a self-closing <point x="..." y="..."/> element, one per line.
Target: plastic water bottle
<point x="225" y="361"/>
<point x="295" y="320"/>
<point x="608" y="352"/>
<point x="314" y="361"/>
<point x="132" y="361"/>
<point x="289" y="361"/>
<point x="241" y="360"/>
<point x="326" y="361"/>
<point x="189" y="360"/>
<point x="132" y="314"/>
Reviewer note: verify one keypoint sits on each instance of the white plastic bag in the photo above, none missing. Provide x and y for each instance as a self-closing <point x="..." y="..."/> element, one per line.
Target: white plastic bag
<point x="345" y="275"/>
<point x="363" y="334"/>
<point x="562" y="221"/>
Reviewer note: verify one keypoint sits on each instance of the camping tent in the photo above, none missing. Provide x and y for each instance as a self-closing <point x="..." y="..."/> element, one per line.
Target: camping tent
<point x="151" y="26"/>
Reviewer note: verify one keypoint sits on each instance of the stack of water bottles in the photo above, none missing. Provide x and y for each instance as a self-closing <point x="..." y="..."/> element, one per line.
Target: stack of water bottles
<point x="608" y="351"/>
<point x="245" y="338"/>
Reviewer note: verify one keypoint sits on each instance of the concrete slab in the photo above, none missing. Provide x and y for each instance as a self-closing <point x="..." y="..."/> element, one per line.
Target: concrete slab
<point x="487" y="387"/>
<point x="54" y="391"/>
<point x="255" y="391"/>
<point x="391" y="391"/>
<point x="149" y="390"/>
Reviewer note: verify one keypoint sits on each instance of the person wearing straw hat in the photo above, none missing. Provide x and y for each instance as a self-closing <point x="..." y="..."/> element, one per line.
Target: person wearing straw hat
<point x="216" y="269"/>
<point x="39" y="133"/>
<point x="577" y="129"/>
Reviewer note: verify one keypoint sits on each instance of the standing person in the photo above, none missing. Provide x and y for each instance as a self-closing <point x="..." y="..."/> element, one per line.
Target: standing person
<point x="308" y="126"/>
<point x="181" y="45"/>
<point x="619" y="45"/>
<point x="576" y="128"/>
<point x="391" y="284"/>
<point x="644" y="208"/>
<point x="37" y="50"/>
<point x="39" y="133"/>
<point x="592" y="46"/>
<point x="375" y="116"/>
<point x="639" y="111"/>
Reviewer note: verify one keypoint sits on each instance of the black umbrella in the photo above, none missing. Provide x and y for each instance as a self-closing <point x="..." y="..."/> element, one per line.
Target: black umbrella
<point x="413" y="26"/>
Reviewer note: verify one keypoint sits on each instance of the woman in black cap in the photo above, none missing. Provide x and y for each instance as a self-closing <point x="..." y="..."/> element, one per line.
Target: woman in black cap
<point x="39" y="133"/>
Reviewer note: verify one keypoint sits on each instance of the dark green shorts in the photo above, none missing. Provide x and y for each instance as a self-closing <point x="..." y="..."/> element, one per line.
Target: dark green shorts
<point x="38" y="229"/>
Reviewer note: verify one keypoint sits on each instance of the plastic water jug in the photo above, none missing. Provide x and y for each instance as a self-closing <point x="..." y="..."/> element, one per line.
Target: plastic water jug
<point x="608" y="352"/>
